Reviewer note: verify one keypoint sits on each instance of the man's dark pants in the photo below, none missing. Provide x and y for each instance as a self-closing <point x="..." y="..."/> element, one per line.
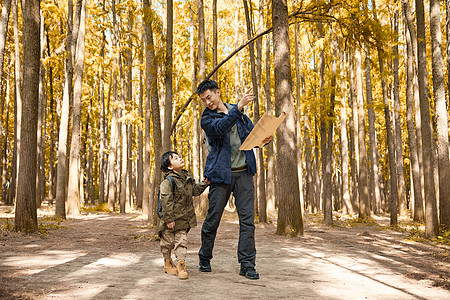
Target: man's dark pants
<point x="243" y="192"/>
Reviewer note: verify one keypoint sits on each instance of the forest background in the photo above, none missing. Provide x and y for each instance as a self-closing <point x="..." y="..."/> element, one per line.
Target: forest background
<point x="93" y="92"/>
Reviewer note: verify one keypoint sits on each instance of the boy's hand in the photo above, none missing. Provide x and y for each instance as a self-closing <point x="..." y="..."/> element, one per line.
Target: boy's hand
<point x="171" y="225"/>
<point x="246" y="98"/>
<point x="207" y="181"/>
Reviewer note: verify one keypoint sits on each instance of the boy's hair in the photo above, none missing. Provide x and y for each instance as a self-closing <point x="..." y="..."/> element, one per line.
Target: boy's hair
<point x="165" y="160"/>
<point x="207" y="85"/>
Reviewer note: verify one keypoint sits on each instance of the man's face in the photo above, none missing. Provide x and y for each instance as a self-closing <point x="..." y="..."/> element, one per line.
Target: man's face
<point x="211" y="99"/>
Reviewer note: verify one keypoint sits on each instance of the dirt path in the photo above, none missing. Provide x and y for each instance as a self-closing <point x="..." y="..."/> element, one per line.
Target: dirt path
<point x="111" y="256"/>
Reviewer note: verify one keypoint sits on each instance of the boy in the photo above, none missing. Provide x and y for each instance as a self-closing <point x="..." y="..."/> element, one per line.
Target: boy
<point x="178" y="215"/>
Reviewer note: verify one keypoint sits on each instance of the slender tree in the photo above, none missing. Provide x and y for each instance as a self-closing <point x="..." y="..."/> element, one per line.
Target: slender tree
<point x="6" y="9"/>
<point x="26" y="213"/>
<point x="441" y="113"/>
<point x="60" y="209"/>
<point x="431" y="222"/>
<point x="73" y="197"/>
<point x="289" y="214"/>
<point x="169" y="80"/>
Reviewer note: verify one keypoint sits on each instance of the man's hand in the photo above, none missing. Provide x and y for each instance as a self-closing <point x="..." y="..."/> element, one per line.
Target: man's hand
<point x="267" y="140"/>
<point x="246" y="99"/>
<point x="171" y="225"/>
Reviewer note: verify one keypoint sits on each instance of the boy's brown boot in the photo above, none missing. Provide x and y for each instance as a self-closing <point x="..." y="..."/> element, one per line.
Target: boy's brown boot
<point x="169" y="267"/>
<point x="181" y="267"/>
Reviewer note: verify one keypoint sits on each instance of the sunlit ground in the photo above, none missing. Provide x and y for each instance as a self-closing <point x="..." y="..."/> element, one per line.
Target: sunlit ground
<point x="300" y="268"/>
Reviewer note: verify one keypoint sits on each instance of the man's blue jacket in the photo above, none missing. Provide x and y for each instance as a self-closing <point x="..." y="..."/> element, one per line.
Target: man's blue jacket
<point x="217" y="127"/>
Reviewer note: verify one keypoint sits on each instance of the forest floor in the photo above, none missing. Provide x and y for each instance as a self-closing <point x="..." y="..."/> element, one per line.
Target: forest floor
<point x="101" y="255"/>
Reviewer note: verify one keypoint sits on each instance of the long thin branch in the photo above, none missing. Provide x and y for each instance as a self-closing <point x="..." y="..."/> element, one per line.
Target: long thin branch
<point x="297" y="14"/>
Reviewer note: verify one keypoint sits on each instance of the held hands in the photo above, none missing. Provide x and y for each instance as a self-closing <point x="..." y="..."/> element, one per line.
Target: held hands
<point x="171" y="225"/>
<point x="246" y="98"/>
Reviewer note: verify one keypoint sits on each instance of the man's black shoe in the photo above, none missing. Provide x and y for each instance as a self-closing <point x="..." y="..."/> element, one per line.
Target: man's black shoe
<point x="204" y="265"/>
<point x="249" y="272"/>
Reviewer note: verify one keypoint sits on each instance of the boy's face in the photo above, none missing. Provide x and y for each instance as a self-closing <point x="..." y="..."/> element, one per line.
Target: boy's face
<point x="211" y="99"/>
<point x="176" y="163"/>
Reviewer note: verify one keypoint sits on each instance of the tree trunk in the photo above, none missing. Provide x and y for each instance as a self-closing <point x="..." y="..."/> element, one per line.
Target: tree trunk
<point x="60" y="209"/>
<point x="169" y="80"/>
<point x="418" y="202"/>
<point x="40" y="159"/>
<point x="270" y="151"/>
<point x="414" y="164"/>
<point x="17" y="108"/>
<point x="152" y="100"/>
<point x="441" y="114"/>
<point x="259" y="157"/>
<point x="102" y="144"/>
<point x="354" y="157"/>
<point x="51" y="170"/>
<point x="398" y="128"/>
<point x="26" y="213"/>
<point x="73" y="195"/>
<point x="346" y="204"/>
<point x="363" y="186"/>
<point x="140" y="162"/>
<point x="203" y="205"/>
<point x="195" y="113"/>
<point x="298" y="91"/>
<point x="373" y="171"/>
<point x="317" y="181"/>
<point x="431" y="222"/>
<point x="5" y="183"/>
<point x="393" y="199"/>
<point x="289" y="214"/>
<point x="215" y="50"/>
<point x="6" y="9"/>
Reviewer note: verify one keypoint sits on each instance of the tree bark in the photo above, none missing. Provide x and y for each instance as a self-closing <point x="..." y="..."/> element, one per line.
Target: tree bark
<point x="346" y="204"/>
<point x="60" y="209"/>
<point x="354" y="150"/>
<point x="17" y="108"/>
<point x="260" y="176"/>
<point x="140" y="162"/>
<point x="418" y="202"/>
<point x="73" y="195"/>
<point x="215" y="39"/>
<point x="289" y="214"/>
<point x="441" y="114"/>
<point x="416" y="186"/>
<point x="363" y="186"/>
<point x="373" y="171"/>
<point x="6" y="9"/>
<point x="40" y="159"/>
<point x="169" y="81"/>
<point x="26" y="213"/>
<point x="398" y="127"/>
<point x="431" y="221"/>
<point x="270" y="151"/>
<point x="393" y="197"/>
<point x="152" y="100"/>
<point x="298" y="91"/>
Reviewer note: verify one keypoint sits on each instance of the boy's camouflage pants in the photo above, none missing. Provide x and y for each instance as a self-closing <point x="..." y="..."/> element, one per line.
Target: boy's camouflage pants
<point x="176" y="241"/>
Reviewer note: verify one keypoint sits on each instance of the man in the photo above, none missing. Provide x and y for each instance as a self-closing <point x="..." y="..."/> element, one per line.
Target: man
<point x="228" y="169"/>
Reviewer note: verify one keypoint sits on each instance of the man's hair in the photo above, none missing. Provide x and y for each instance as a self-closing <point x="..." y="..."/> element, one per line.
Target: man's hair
<point x="165" y="160"/>
<point x="207" y="85"/>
